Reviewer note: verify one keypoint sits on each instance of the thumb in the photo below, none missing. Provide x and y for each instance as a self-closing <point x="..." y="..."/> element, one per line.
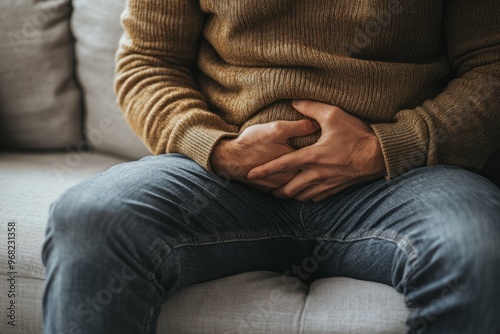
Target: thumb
<point x="303" y="127"/>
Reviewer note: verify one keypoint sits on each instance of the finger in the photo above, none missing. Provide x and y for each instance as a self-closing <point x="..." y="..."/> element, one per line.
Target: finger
<point x="341" y="187"/>
<point x="287" y="162"/>
<point x="321" y="191"/>
<point x="273" y="182"/>
<point x="298" y="184"/>
<point x="289" y="129"/>
<point x="329" y="192"/>
<point x="314" y="109"/>
<point x="310" y="192"/>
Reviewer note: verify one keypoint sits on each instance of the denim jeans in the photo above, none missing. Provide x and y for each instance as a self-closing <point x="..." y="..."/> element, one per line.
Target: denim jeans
<point x="139" y="232"/>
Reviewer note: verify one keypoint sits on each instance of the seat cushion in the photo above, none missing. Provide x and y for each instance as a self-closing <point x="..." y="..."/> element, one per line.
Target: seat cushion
<point x="257" y="302"/>
<point x="28" y="184"/>
<point x="263" y="302"/>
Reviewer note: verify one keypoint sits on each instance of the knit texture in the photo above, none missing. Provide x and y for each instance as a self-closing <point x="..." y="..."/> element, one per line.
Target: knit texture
<point x="425" y="74"/>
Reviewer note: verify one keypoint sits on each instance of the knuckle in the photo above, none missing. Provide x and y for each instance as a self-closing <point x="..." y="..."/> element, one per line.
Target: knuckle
<point x="313" y="157"/>
<point x="331" y="115"/>
<point x="318" y="176"/>
<point x="283" y="166"/>
<point x="301" y="198"/>
<point x="276" y="127"/>
<point x="286" y="193"/>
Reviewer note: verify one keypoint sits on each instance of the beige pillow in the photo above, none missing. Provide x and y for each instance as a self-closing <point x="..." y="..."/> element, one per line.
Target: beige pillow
<point x="97" y="30"/>
<point x="40" y="101"/>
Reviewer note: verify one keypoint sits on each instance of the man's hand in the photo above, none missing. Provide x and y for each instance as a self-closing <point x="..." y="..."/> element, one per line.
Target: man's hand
<point x="257" y="145"/>
<point x="348" y="152"/>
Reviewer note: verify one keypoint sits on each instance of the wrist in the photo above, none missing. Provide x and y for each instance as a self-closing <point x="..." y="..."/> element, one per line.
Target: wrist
<point x="218" y="158"/>
<point x="377" y="160"/>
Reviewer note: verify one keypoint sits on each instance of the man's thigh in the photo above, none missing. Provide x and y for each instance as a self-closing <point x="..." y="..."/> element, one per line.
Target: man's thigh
<point x="391" y="231"/>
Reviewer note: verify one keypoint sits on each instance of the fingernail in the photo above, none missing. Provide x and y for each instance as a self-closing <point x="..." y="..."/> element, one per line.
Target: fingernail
<point x="295" y="103"/>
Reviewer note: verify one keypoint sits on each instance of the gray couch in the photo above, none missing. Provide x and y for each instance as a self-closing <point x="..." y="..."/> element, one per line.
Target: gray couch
<point x="56" y="88"/>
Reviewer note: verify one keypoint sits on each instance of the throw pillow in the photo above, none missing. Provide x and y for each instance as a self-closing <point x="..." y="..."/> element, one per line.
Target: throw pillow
<point x="41" y="103"/>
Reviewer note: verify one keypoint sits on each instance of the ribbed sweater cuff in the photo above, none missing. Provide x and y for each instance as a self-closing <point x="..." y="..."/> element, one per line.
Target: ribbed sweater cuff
<point x="198" y="142"/>
<point x="402" y="146"/>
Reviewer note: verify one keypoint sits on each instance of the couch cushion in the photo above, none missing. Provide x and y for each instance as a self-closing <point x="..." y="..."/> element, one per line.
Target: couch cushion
<point x="29" y="183"/>
<point x="97" y="33"/>
<point x="40" y="103"/>
<point x="262" y="302"/>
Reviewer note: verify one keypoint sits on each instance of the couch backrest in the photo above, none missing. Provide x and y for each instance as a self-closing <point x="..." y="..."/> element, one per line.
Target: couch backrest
<point x="57" y="69"/>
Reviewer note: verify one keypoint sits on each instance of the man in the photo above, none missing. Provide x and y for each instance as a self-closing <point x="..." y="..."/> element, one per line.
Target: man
<point x="346" y="122"/>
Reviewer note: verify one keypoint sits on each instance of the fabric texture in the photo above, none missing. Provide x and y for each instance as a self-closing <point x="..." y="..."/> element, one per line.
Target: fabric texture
<point x="424" y="74"/>
<point x="264" y="302"/>
<point x="341" y="294"/>
<point x="40" y="103"/>
<point x="96" y="28"/>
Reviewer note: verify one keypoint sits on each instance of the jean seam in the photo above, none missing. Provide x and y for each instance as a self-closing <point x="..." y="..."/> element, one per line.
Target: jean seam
<point x="161" y="257"/>
<point x="403" y="243"/>
<point x="157" y="285"/>
<point x="156" y="260"/>
<point x="148" y="321"/>
<point x="303" y="209"/>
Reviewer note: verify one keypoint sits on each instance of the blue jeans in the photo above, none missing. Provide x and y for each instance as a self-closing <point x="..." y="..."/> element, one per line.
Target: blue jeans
<point x="146" y="229"/>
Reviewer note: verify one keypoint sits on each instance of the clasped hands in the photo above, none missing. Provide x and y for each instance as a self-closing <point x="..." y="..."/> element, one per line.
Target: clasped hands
<point x="347" y="153"/>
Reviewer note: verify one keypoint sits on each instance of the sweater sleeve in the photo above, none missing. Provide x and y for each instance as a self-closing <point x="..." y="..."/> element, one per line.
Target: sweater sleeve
<point x="460" y="126"/>
<point x="155" y="83"/>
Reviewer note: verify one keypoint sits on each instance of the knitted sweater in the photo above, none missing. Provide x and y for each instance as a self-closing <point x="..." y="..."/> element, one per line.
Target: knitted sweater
<point x="424" y="74"/>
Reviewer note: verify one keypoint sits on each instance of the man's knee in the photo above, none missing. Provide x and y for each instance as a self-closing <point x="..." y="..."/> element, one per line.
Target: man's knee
<point x="80" y="221"/>
<point x="112" y="205"/>
<point x="79" y="209"/>
<point x="109" y="196"/>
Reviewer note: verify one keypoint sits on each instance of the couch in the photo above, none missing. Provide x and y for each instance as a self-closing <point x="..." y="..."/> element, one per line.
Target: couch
<point x="60" y="124"/>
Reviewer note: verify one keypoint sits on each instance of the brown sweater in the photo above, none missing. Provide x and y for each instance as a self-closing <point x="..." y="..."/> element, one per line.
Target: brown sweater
<point x="425" y="74"/>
